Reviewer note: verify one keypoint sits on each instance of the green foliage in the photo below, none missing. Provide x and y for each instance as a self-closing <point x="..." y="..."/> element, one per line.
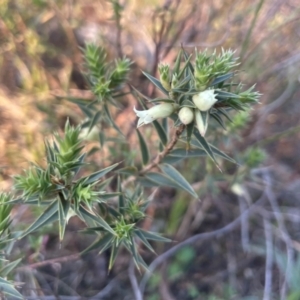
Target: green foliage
<point x="6" y="287"/>
<point x="205" y="88"/>
<point x="104" y="78"/>
<point x="5" y="210"/>
<point x="131" y="209"/>
<point x="64" y="189"/>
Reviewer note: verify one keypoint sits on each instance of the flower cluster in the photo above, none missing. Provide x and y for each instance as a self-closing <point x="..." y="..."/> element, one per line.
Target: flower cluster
<point x="198" y="91"/>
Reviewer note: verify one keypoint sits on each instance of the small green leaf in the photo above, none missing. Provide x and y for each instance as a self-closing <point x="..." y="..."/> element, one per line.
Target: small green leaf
<point x="222" y="154"/>
<point x="156" y="82"/>
<point x="9" y="267"/>
<point x="187" y="153"/>
<point x="121" y="197"/>
<point x="8" y="289"/>
<point x="224" y="113"/>
<point x="187" y="59"/>
<point x="48" y="216"/>
<point x="94" y="120"/>
<point x="112" y="122"/>
<point x="165" y="100"/>
<point x="104" y="242"/>
<point x="97" y="175"/>
<point x="183" y="82"/>
<point x="130" y="170"/>
<point x="171" y="159"/>
<point x="187" y="64"/>
<point x="177" y="63"/>
<point x="142" y="95"/>
<point x="63" y="209"/>
<point x="189" y="132"/>
<point x="218" y="119"/>
<point x="161" y="132"/>
<point x="143" y="239"/>
<point x="144" y="148"/>
<point x="160" y="180"/>
<point x="222" y="95"/>
<point x="108" y="195"/>
<point x="178" y="178"/>
<point x="101" y="138"/>
<point x="113" y="255"/>
<point x="222" y="78"/>
<point x="205" y="146"/>
<point x="154" y="236"/>
<point x="96" y="218"/>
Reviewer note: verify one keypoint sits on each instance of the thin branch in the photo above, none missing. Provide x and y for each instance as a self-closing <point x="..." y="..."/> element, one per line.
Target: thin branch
<point x="269" y="259"/>
<point x="160" y="156"/>
<point x="50" y="261"/>
<point x="285" y="235"/>
<point x="134" y="283"/>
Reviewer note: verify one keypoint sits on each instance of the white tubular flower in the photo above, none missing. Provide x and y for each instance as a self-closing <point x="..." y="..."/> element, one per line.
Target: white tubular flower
<point x="158" y="111"/>
<point x="202" y="121"/>
<point x="186" y="115"/>
<point x="205" y="100"/>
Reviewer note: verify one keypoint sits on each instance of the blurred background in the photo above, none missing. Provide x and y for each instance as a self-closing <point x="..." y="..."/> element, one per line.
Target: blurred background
<point x="41" y="63"/>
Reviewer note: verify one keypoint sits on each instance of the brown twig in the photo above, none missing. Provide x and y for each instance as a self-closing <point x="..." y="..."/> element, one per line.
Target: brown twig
<point x="50" y="261"/>
<point x="160" y="156"/>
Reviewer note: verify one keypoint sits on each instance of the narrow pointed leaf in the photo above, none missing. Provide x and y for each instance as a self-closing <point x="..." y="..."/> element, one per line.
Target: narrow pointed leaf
<point x="113" y="256"/>
<point x="187" y="58"/>
<point x="63" y="209"/>
<point x="205" y="146"/>
<point x="130" y="170"/>
<point x="144" y="148"/>
<point x="219" y="120"/>
<point x="172" y="159"/>
<point x="188" y="103"/>
<point x="161" y="132"/>
<point x="183" y="82"/>
<point x="9" y="267"/>
<point x="108" y="195"/>
<point x="86" y="110"/>
<point x="143" y="240"/>
<point x="48" y="216"/>
<point x="222" y="154"/>
<point x="156" y="82"/>
<point x="142" y="95"/>
<point x="177" y="63"/>
<point x="97" y="175"/>
<point x="8" y="289"/>
<point x="121" y="197"/>
<point x="187" y="64"/>
<point x="222" y="78"/>
<point x="222" y="95"/>
<point x="178" y="178"/>
<point x="95" y="120"/>
<point x="224" y="113"/>
<point x="112" y="122"/>
<point x="165" y="100"/>
<point x="189" y="132"/>
<point x="187" y="153"/>
<point x="101" y="138"/>
<point x="96" y="218"/>
<point x="160" y="179"/>
<point x="103" y="243"/>
<point x="154" y="236"/>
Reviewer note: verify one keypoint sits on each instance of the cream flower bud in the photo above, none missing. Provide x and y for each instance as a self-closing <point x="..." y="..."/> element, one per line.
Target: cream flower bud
<point x="186" y="115"/>
<point x="201" y="121"/>
<point x="205" y="100"/>
<point x="158" y="111"/>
